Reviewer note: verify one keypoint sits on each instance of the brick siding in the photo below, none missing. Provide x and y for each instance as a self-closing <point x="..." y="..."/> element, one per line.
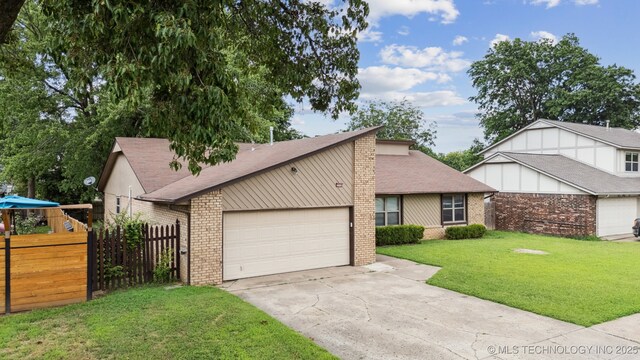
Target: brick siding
<point x="364" y="194"/>
<point x="563" y="215"/>
<point x="206" y="239"/>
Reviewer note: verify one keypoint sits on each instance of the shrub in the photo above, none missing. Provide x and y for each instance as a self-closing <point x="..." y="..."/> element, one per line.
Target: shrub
<point x="27" y="225"/>
<point x="473" y="231"/>
<point x="162" y="271"/>
<point x="398" y="234"/>
<point x="131" y="225"/>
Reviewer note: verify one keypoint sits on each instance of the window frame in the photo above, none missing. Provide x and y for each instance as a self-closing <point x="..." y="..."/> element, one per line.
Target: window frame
<point x="632" y="162"/>
<point x="386" y="212"/>
<point x="118" y="205"/>
<point x="453" y="209"/>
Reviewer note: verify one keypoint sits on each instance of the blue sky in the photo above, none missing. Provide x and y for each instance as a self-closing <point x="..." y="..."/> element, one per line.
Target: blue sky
<point x="410" y="51"/>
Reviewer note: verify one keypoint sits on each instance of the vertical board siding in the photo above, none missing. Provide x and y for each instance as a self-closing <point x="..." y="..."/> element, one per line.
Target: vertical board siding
<point x="422" y="209"/>
<point x="313" y="186"/>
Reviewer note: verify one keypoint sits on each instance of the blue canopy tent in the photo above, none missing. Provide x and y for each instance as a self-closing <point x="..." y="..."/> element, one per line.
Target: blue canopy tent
<point x="19" y="202"/>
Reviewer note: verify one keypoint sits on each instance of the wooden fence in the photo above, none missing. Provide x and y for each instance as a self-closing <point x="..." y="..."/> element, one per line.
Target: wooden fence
<point x="118" y="264"/>
<point x="56" y="218"/>
<point x="490" y="214"/>
<point x="43" y="270"/>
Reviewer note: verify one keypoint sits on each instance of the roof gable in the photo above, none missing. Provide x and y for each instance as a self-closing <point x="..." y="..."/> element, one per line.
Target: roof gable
<point x="150" y="160"/>
<point x="616" y="137"/>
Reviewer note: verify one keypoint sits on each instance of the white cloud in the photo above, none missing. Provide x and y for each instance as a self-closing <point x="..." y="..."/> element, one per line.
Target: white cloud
<point x="549" y="3"/>
<point x="459" y="40"/>
<point x="379" y="79"/>
<point x="420" y="99"/>
<point x="537" y="35"/>
<point x="585" y="2"/>
<point x="370" y="35"/>
<point x="445" y="10"/>
<point x="404" y="31"/>
<point x="432" y="58"/>
<point x="499" y="38"/>
<point x="553" y="3"/>
<point x="297" y="120"/>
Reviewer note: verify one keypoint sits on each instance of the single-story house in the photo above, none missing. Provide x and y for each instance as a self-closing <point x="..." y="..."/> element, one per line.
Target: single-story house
<point x="414" y="188"/>
<point x="281" y="207"/>
<point x="565" y="179"/>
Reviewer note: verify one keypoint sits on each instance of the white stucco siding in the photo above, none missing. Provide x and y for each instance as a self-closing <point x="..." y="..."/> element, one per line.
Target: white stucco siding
<point x="513" y="177"/>
<point x="543" y="139"/>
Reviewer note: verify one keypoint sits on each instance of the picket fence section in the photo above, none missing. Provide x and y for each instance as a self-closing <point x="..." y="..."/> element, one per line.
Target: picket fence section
<point x="118" y="263"/>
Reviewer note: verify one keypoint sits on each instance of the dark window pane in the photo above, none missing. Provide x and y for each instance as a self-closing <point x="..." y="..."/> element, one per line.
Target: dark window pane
<point x="459" y="214"/>
<point x="627" y="167"/>
<point x="635" y="167"/>
<point x="459" y="200"/>
<point x="393" y="218"/>
<point x="447" y="215"/>
<point x="628" y="157"/>
<point x="379" y="219"/>
<point x="447" y="202"/>
<point x="392" y="204"/>
<point x="635" y="157"/>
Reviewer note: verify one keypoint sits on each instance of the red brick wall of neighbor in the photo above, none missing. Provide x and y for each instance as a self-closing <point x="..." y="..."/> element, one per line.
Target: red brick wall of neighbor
<point x="563" y="215"/>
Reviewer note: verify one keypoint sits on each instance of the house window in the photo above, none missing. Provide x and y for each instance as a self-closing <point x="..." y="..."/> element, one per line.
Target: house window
<point x="387" y="210"/>
<point x="453" y="208"/>
<point x="631" y="161"/>
<point x="117" y="205"/>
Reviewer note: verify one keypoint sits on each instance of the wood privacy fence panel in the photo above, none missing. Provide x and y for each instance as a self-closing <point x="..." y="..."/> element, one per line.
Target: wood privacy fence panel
<point x="46" y="270"/>
<point x="490" y="214"/>
<point x="56" y="219"/>
<point x="118" y="264"/>
<point x="2" y="277"/>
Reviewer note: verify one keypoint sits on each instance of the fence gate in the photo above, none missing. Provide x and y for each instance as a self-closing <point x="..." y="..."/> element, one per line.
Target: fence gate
<point x="490" y="214"/>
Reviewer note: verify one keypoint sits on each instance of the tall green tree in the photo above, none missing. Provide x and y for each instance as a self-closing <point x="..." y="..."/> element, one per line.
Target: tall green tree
<point x="464" y="159"/>
<point x="519" y="82"/>
<point x="401" y="120"/>
<point x="179" y="55"/>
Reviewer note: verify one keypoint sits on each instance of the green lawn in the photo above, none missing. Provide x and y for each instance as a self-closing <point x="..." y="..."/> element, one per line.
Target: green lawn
<point x="583" y="282"/>
<point x="153" y="323"/>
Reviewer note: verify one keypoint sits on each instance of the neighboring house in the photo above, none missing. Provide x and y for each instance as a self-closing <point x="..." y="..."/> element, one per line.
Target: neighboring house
<point x="414" y="188"/>
<point x="564" y="179"/>
<point x="290" y="206"/>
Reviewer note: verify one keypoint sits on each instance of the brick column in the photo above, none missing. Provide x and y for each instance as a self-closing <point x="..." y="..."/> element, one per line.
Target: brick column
<point x="206" y="239"/>
<point x="364" y="194"/>
<point x="475" y="208"/>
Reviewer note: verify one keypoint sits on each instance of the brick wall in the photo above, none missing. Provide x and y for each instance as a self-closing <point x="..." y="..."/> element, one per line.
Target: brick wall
<point x="364" y="200"/>
<point x="563" y="215"/>
<point x="206" y="239"/>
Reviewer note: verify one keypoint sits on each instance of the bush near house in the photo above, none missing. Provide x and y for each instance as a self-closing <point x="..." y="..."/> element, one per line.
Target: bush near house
<point x="399" y="234"/>
<point x="473" y="231"/>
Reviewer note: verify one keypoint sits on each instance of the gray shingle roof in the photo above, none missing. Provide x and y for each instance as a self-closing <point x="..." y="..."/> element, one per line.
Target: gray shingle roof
<point x="616" y="136"/>
<point x="418" y="173"/>
<point x="593" y="180"/>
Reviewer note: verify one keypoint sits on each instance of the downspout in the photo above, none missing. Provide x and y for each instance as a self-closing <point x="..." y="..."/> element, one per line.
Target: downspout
<point x="188" y="214"/>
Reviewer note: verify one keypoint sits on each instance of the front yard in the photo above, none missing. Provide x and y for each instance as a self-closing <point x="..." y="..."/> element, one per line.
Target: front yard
<point x="154" y="323"/>
<point x="583" y="282"/>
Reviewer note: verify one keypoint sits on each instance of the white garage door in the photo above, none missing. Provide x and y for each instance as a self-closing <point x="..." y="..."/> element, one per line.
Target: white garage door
<point x="616" y="215"/>
<point x="270" y="242"/>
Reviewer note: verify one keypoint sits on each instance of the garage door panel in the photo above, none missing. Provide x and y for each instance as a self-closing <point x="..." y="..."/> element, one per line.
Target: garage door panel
<point x="615" y="215"/>
<point x="271" y="242"/>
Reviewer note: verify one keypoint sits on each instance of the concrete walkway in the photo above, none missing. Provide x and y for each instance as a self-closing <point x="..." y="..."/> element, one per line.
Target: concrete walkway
<point x="386" y="311"/>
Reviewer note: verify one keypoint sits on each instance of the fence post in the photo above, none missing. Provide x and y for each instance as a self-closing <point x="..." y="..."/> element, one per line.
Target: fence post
<point x="7" y="261"/>
<point x="176" y="250"/>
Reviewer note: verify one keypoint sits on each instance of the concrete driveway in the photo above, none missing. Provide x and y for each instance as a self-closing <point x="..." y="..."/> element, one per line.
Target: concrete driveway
<point x="386" y="311"/>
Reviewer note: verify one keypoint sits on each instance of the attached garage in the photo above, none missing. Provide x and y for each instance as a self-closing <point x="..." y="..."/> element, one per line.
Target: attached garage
<point x="259" y="243"/>
<point x="616" y="214"/>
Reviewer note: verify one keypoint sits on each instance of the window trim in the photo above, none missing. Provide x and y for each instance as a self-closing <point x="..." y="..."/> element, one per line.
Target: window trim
<point x="637" y="162"/>
<point x="400" y="212"/>
<point x="465" y="207"/>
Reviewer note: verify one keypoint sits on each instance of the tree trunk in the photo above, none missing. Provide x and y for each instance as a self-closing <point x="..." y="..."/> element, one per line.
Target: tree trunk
<point x="9" y="10"/>
<point x="31" y="188"/>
